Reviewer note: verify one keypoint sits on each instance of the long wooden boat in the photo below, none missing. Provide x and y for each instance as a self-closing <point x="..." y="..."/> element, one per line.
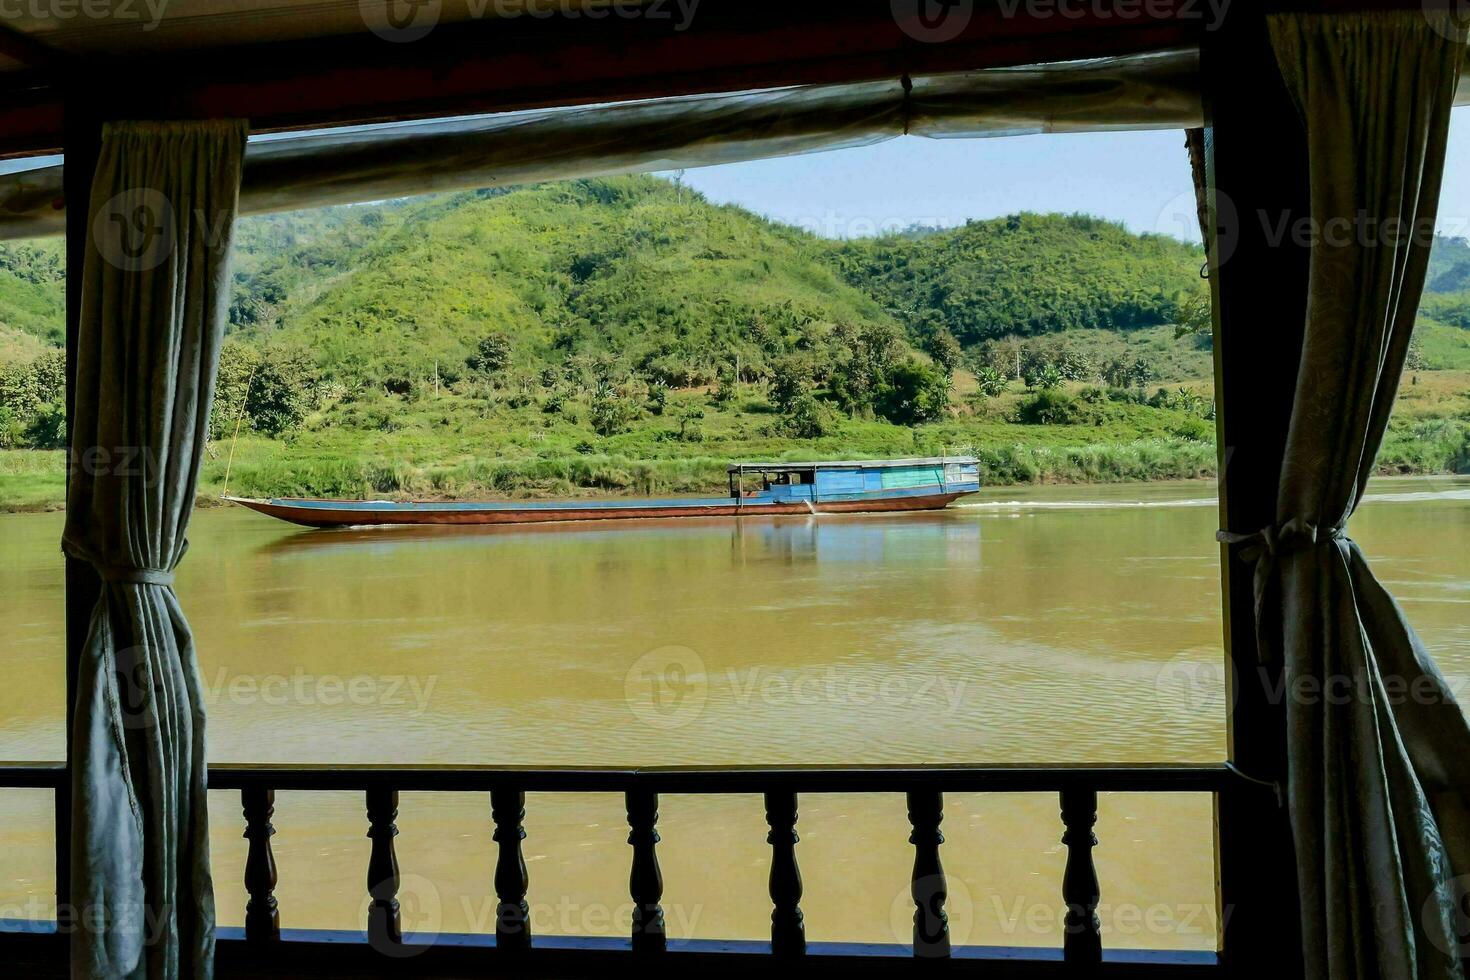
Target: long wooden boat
<point x="756" y="490"/>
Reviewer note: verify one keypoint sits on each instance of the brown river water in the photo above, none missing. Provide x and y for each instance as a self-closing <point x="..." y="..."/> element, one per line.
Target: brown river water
<point x="1061" y="624"/>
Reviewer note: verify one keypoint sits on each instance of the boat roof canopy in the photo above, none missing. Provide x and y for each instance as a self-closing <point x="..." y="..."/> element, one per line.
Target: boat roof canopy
<point x="858" y="464"/>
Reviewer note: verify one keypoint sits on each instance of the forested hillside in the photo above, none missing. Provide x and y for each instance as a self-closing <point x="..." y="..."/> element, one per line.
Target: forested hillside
<point x="1027" y="274"/>
<point x="627" y="333"/>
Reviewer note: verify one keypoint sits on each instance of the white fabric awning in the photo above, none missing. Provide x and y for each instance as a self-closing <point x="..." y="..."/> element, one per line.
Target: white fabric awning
<point x="292" y="171"/>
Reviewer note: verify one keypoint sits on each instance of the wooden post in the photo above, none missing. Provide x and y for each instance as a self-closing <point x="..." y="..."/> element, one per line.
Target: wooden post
<point x="262" y="914"/>
<point x="83" y="145"/>
<point x="928" y="885"/>
<point x="512" y="914"/>
<point x="646" y="881"/>
<point x="384" y="927"/>
<point x="788" y="931"/>
<point x="1256" y="167"/>
<point x="1082" y="942"/>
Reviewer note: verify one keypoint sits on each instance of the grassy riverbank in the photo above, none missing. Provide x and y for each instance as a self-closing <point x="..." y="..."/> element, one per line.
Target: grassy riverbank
<point x="451" y="446"/>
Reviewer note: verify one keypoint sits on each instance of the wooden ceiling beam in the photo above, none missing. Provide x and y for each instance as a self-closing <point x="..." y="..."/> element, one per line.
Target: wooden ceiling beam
<point x="33" y="54"/>
<point x="503" y="65"/>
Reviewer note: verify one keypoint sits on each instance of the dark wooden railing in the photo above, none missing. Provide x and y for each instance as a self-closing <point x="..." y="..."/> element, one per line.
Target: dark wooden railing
<point x="262" y="941"/>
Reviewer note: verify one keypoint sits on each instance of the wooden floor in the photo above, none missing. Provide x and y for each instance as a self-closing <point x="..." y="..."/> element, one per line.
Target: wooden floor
<point x="344" y="956"/>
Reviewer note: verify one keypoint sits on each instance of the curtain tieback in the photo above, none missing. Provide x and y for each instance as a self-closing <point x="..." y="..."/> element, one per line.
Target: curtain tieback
<point x="1263" y="547"/>
<point x="1272" y="785"/>
<point x="1273" y="541"/>
<point x="132" y="575"/>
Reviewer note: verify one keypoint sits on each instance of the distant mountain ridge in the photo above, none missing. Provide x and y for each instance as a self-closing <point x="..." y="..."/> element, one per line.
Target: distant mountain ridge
<point x="652" y="273"/>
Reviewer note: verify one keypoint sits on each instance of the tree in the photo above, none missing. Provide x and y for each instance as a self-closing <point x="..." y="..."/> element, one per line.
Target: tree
<point x="274" y="388"/>
<point x="47" y="428"/>
<point x="658" y="397"/>
<point x="492" y="355"/>
<point x="1129" y="372"/>
<point x="864" y="356"/>
<point x="810" y="418"/>
<point x="945" y="350"/>
<point x="1045" y="378"/>
<point x="1193" y="315"/>
<point x="792" y="377"/>
<point x="990" y="381"/>
<point x="281" y="393"/>
<point x="610" y="412"/>
<point x="689" y="417"/>
<point x="1005" y="355"/>
<point x="912" y="393"/>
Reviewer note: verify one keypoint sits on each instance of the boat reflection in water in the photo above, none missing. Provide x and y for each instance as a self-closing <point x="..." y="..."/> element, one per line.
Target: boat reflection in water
<point x="756" y="490"/>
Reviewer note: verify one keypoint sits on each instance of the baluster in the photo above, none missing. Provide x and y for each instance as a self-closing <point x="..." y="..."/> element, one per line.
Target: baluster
<point x="646" y="882"/>
<point x="512" y="915"/>
<point x="262" y="915"/>
<point x="1082" y="944"/>
<point x="931" y="923"/>
<point x="384" y="927"/>
<point x="788" y="932"/>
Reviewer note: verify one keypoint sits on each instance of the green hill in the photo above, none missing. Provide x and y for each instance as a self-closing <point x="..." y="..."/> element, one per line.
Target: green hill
<point x="1026" y="274"/>
<point x="634" y="267"/>
<point x="33" y="290"/>
<point x="626" y="333"/>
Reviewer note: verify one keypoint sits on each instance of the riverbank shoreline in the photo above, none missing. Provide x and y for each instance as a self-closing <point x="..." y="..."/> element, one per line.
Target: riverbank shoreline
<point x="37" y="484"/>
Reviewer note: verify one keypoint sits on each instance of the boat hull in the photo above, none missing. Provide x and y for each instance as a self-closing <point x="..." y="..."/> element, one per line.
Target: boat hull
<point x="346" y="513"/>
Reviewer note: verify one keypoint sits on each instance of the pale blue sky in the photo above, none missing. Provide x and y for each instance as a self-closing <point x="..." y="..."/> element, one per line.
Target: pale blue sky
<point x="1140" y="179"/>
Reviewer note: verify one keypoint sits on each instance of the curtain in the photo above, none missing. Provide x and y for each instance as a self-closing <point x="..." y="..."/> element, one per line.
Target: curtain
<point x="1378" y="772"/>
<point x="155" y="289"/>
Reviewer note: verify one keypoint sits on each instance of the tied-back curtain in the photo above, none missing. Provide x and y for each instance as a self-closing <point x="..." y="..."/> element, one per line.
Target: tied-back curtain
<point x="155" y="289"/>
<point x="1378" y="781"/>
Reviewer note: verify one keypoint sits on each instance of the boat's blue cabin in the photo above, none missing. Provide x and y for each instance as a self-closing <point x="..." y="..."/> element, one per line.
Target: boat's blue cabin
<point x="786" y="482"/>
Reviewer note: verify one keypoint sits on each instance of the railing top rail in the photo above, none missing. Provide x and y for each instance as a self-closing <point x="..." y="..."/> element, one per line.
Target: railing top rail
<point x="688" y="779"/>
